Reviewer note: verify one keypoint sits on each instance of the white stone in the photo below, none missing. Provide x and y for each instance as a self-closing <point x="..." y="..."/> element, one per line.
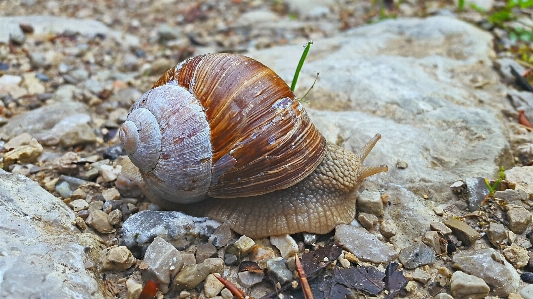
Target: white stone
<point x="285" y="244"/>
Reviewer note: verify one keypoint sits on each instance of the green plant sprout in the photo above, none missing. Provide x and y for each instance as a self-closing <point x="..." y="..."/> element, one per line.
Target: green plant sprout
<point x="300" y="65"/>
<point x="492" y="189"/>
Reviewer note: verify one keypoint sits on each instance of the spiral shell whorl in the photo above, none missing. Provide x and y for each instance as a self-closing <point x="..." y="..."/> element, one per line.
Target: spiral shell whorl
<point x="174" y="154"/>
<point x="141" y="137"/>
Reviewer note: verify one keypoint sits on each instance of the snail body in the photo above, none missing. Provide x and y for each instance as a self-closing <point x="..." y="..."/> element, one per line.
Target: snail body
<point x="221" y="135"/>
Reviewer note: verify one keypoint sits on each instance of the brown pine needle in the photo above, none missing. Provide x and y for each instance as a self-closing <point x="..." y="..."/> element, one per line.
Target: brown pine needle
<point x="233" y="288"/>
<point x="303" y="279"/>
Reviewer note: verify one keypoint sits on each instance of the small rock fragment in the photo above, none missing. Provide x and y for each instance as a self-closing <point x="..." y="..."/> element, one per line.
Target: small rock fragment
<point x="164" y="261"/>
<point x="497" y="234"/>
<point x="285" y="244"/>
<point x="190" y="276"/>
<point x="432" y="239"/>
<point x="204" y="251"/>
<point x="114" y="217"/>
<point x="438" y="211"/>
<point x="519" y="218"/>
<point x="416" y="255"/>
<point x="401" y="164"/>
<point x="421" y="276"/>
<point x="370" y="202"/>
<point x="261" y="254"/>
<point x="23" y="153"/>
<point x="117" y="258"/>
<point x="387" y="229"/>
<point x="133" y="288"/>
<point x="98" y="220"/>
<point x="78" y="205"/>
<point x="214" y="265"/>
<point x="516" y="255"/>
<point x="277" y="269"/>
<point x="244" y="244"/>
<point x="367" y="220"/>
<point x="441" y="228"/>
<point x="527" y="277"/>
<point x="364" y="245"/>
<point x="188" y="258"/>
<point x="463" y="285"/>
<point x="212" y="286"/>
<point x="462" y="231"/>
<point x="110" y="173"/>
<point x="111" y="194"/>
<point x="248" y="279"/>
<point x="222" y="235"/>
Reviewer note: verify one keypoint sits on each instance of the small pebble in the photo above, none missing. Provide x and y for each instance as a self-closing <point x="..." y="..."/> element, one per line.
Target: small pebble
<point x="212" y="286"/>
<point x="370" y="202"/>
<point x="98" y="220"/>
<point x="285" y="244"/>
<point x="244" y="244"/>
<point x="133" y="289"/>
<point x="441" y="228"/>
<point x="401" y="164"/>
<point x="63" y="188"/>
<point x="462" y="231"/>
<point x="387" y="229"/>
<point x="416" y="255"/>
<point x="367" y="220"/>
<point x="78" y="205"/>
<point x="278" y="270"/>
<point x="190" y="276"/>
<point x="497" y="234"/>
<point x="204" y="251"/>
<point x="516" y="255"/>
<point x="463" y="285"/>
<point x="114" y="217"/>
<point x="117" y="258"/>
<point x="248" y="279"/>
<point x="519" y="218"/>
<point x="164" y="261"/>
<point x="110" y="194"/>
<point x="432" y="239"/>
<point x="527" y="277"/>
<point x="438" y="211"/>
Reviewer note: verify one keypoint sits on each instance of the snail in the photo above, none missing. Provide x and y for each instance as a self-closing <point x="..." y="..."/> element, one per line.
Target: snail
<point x="223" y="136"/>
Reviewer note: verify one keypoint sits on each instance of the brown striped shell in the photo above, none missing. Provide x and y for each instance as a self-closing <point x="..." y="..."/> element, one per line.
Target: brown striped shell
<point x="220" y="125"/>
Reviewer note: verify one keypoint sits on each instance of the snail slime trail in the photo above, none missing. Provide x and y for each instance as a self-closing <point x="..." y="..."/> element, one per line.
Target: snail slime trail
<point x="222" y="135"/>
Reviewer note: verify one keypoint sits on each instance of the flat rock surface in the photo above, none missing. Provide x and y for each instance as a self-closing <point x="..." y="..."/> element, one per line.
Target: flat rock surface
<point x="43" y="255"/>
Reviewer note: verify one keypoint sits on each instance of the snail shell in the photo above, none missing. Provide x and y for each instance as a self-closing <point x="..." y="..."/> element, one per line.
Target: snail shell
<point x="227" y="128"/>
<point x="220" y="125"/>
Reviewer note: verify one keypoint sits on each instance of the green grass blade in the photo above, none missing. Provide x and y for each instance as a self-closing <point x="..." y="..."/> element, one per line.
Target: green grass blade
<point x="300" y="65"/>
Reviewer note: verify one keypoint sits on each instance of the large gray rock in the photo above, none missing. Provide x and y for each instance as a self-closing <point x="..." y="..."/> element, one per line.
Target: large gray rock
<point x="427" y="85"/>
<point x="58" y="25"/>
<point x="43" y="254"/>
<point x="41" y="120"/>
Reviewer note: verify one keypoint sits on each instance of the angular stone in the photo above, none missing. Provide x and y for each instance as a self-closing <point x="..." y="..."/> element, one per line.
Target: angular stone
<point x="497" y="234"/>
<point x="416" y="255"/>
<point x="244" y="244"/>
<point x="466" y="286"/>
<point x="285" y="244"/>
<point x="204" y="251"/>
<point x="519" y="218"/>
<point x="248" y="279"/>
<point x="367" y="220"/>
<point x="441" y="228"/>
<point x="164" y="261"/>
<point x="277" y="268"/>
<point x="370" y="202"/>
<point x="191" y="276"/>
<point x="387" y="229"/>
<point x="363" y="244"/>
<point x="462" y="231"/>
<point x="432" y="239"/>
<point x="490" y="266"/>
